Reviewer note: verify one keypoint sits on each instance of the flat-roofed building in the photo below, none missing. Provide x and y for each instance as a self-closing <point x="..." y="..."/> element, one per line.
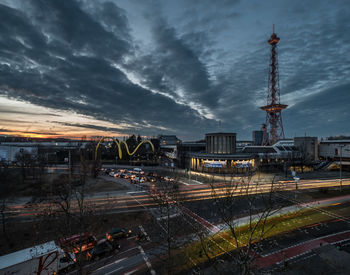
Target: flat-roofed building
<point x="308" y="148"/>
<point x="220" y="156"/>
<point x="331" y="148"/>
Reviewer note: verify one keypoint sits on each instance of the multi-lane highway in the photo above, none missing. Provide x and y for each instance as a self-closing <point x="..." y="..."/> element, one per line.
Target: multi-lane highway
<point x="295" y="242"/>
<point x="139" y="258"/>
<point x="142" y="197"/>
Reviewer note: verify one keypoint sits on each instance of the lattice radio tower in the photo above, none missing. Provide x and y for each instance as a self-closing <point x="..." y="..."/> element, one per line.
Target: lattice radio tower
<point x="273" y="129"/>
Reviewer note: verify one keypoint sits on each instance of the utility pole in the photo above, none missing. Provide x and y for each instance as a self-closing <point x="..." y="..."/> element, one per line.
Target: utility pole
<point x="340" y="170"/>
<point x="69" y="163"/>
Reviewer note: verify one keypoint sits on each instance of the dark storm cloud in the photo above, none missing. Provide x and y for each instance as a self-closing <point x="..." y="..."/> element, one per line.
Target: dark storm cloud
<point x="173" y="66"/>
<point x="68" y="22"/>
<point x="6" y="131"/>
<point x="95" y="127"/>
<point x="213" y="16"/>
<point x="30" y="132"/>
<point x="320" y="52"/>
<point x="312" y="59"/>
<point x="9" y="111"/>
<point x="64" y="58"/>
<point x="41" y="133"/>
<point x="327" y="111"/>
<point x="202" y="59"/>
<point x="121" y="130"/>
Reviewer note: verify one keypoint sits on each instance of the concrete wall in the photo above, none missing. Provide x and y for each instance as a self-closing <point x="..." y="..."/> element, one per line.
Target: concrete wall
<point x="308" y="147"/>
<point x="220" y="143"/>
<point x="258" y="137"/>
<point x="8" y="153"/>
<point x="331" y="150"/>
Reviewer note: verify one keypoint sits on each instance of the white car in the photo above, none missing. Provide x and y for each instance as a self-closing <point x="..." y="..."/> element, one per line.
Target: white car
<point x="137" y="170"/>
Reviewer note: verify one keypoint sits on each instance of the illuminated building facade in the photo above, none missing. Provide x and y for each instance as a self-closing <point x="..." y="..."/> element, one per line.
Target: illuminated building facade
<point x="220" y="156"/>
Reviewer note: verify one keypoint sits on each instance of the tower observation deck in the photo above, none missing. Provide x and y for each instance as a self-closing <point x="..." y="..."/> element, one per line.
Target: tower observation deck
<point x="273" y="129"/>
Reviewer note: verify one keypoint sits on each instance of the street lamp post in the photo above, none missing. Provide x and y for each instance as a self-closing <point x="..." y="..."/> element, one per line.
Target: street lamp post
<point x="296" y="181"/>
<point x="340" y="164"/>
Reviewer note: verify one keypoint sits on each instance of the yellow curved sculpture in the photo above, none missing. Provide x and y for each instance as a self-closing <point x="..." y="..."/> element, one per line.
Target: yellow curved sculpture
<point x="119" y="143"/>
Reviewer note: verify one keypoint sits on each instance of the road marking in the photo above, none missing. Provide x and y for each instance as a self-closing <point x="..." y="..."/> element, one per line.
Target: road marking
<point x="128" y="250"/>
<point x="212" y="228"/>
<point x="114" y="270"/>
<point x="183" y="182"/>
<point x="147" y="260"/>
<point x="145" y="233"/>
<point x="115" y="262"/>
<point x="135" y="192"/>
<point x="130" y="272"/>
<point x="131" y="238"/>
<point x="196" y="181"/>
<point x="143" y="205"/>
<point x="170" y="216"/>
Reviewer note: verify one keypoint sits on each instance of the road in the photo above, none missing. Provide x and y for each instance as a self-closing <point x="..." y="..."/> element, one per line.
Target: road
<point x="138" y="199"/>
<point x="139" y="258"/>
<point x="130" y="259"/>
<point x="292" y="245"/>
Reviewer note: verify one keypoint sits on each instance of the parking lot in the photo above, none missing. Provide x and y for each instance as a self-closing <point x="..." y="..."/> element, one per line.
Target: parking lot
<point x="136" y="175"/>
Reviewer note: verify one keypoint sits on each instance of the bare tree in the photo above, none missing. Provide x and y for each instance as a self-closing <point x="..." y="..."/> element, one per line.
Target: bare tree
<point x="244" y="208"/>
<point x="205" y="253"/>
<point x="69" y="209"/>
<point x="6" y="186"/>
<point x="173" y="233"/>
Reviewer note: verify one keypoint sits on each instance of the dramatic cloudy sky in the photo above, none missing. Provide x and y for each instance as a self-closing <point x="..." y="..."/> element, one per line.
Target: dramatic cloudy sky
<point x="184" y="67"/>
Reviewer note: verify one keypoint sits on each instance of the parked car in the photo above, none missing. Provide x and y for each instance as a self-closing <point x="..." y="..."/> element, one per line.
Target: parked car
<point x="117" y="174"/>
<point x="152" y="179"/>
<point x="127" y="176"/>
<point x="152" y="174"/>
<point x="137" y="180"/>
<point x="111" y="174"/>
<point x="166" y="178"/>
<point x="137" y="170"/>
<point x="118" y="233"/>
<point x="78" y="243"/>
<point x="103" y="248"/>
<point x="122" y="175"/>
<point x="115" y="245"/>
<point x="141" y="237"/>
<point x="107" y="171"/>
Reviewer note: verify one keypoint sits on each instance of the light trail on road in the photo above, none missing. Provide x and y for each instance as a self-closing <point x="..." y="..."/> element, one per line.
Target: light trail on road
<point x="185" y="194"/>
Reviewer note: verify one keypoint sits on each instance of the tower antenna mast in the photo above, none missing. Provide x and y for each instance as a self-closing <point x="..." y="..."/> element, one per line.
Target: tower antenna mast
<point x="273" y="130"/>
